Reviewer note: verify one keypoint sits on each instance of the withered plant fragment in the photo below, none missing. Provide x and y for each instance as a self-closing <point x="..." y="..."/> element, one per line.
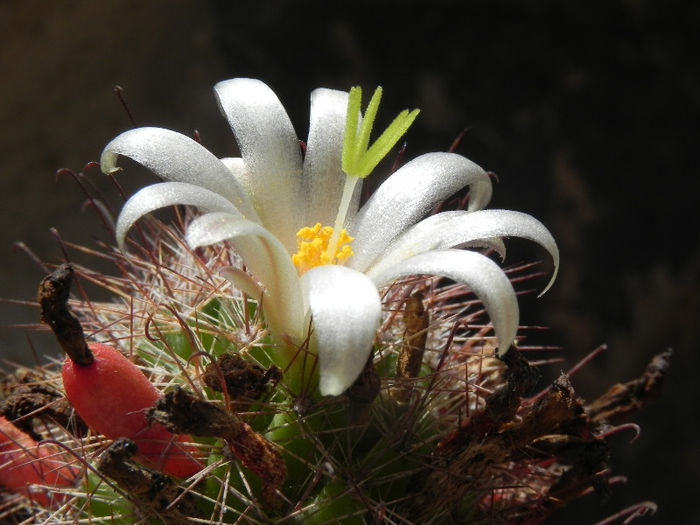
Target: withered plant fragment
<point x="501" y="406"/>
<point x="53" y="294"/>
<point x="244" y="381"/>
<point x="497" y="441"/>
<point x="27" y="394"/>
<point x="417" y="320"/>
<point x="154" y="494"/>
<point x="182" y="412"/>
<point x="624" y="399"/>
<point x="532" y="460"/>
<point x="476" y="446"/>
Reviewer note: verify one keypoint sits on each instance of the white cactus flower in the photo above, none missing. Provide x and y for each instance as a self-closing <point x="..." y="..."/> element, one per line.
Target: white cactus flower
<point x="267" y="202"/>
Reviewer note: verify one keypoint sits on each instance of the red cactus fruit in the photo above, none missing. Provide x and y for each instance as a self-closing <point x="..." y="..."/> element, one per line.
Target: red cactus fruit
<point x="29" y="468"/>
<point x="112" y="396"/>
<point x="109" y="392"/>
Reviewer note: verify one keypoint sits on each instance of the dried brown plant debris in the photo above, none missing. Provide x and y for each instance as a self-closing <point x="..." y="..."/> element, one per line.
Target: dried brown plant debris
<point x="183" y="412"/>
<point x="153" y="494"/>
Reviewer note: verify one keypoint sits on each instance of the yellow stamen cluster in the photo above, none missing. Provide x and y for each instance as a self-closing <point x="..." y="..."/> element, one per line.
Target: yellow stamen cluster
<point x="313" y="247"/>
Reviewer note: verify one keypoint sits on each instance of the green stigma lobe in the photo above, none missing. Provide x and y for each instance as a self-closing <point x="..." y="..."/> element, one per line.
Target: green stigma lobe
<point x="359" y="159"/>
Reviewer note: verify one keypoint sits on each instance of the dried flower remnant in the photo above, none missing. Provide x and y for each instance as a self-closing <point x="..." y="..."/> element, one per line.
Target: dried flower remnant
<point x="624" y="399"/>
<point x="242" y="380"/>
<point x="410" y="358"/>
<point x="154" y="494"/>
<point x="555" y="447"/>
<point x="28" y="395"/>
<point x="52" y="296"/>
<point x="182" y="412"/>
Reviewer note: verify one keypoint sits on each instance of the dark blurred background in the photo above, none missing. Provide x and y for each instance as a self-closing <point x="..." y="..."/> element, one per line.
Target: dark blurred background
<point x="587" y="111"/>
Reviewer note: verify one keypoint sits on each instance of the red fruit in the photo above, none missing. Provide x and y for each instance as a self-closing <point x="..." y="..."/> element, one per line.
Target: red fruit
<point x="24" y="465"/>
<point x="112" y="396"/>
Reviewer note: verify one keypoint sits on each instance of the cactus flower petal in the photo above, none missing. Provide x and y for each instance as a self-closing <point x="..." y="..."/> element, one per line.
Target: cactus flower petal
<point x="270" y="149"/>
<point x="408" y="195"/>
<point x="175" y="157"/>
<point x="486" y="279"/>
<point x="346" y="310"/>
<point x="458" y="228"/>
<point x="323" y="175"/>
<point x="165" y="194"/>
<point x="265" y="258"/>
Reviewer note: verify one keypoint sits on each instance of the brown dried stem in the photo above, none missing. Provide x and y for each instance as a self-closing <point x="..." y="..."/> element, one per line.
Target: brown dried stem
<point x="53" y="294"/>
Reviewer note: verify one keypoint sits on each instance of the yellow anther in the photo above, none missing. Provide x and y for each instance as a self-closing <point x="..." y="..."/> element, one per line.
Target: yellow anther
<point x="312" y="243"/>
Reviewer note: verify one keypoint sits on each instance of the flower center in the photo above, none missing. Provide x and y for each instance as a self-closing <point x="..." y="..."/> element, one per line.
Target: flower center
<point x="319" y="244"/>
<point x="314" y="250"/>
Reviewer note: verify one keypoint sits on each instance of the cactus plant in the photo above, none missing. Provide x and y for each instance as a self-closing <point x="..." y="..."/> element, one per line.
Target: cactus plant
<point x="317" y="359"/>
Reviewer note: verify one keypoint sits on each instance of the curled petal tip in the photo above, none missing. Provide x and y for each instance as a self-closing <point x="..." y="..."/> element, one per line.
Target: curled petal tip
<point x="108" y="162"/>
<point x="551" y="280"/>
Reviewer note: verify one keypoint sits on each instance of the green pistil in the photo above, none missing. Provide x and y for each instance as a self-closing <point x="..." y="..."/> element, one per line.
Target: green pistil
<point x="358" y="159"/>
